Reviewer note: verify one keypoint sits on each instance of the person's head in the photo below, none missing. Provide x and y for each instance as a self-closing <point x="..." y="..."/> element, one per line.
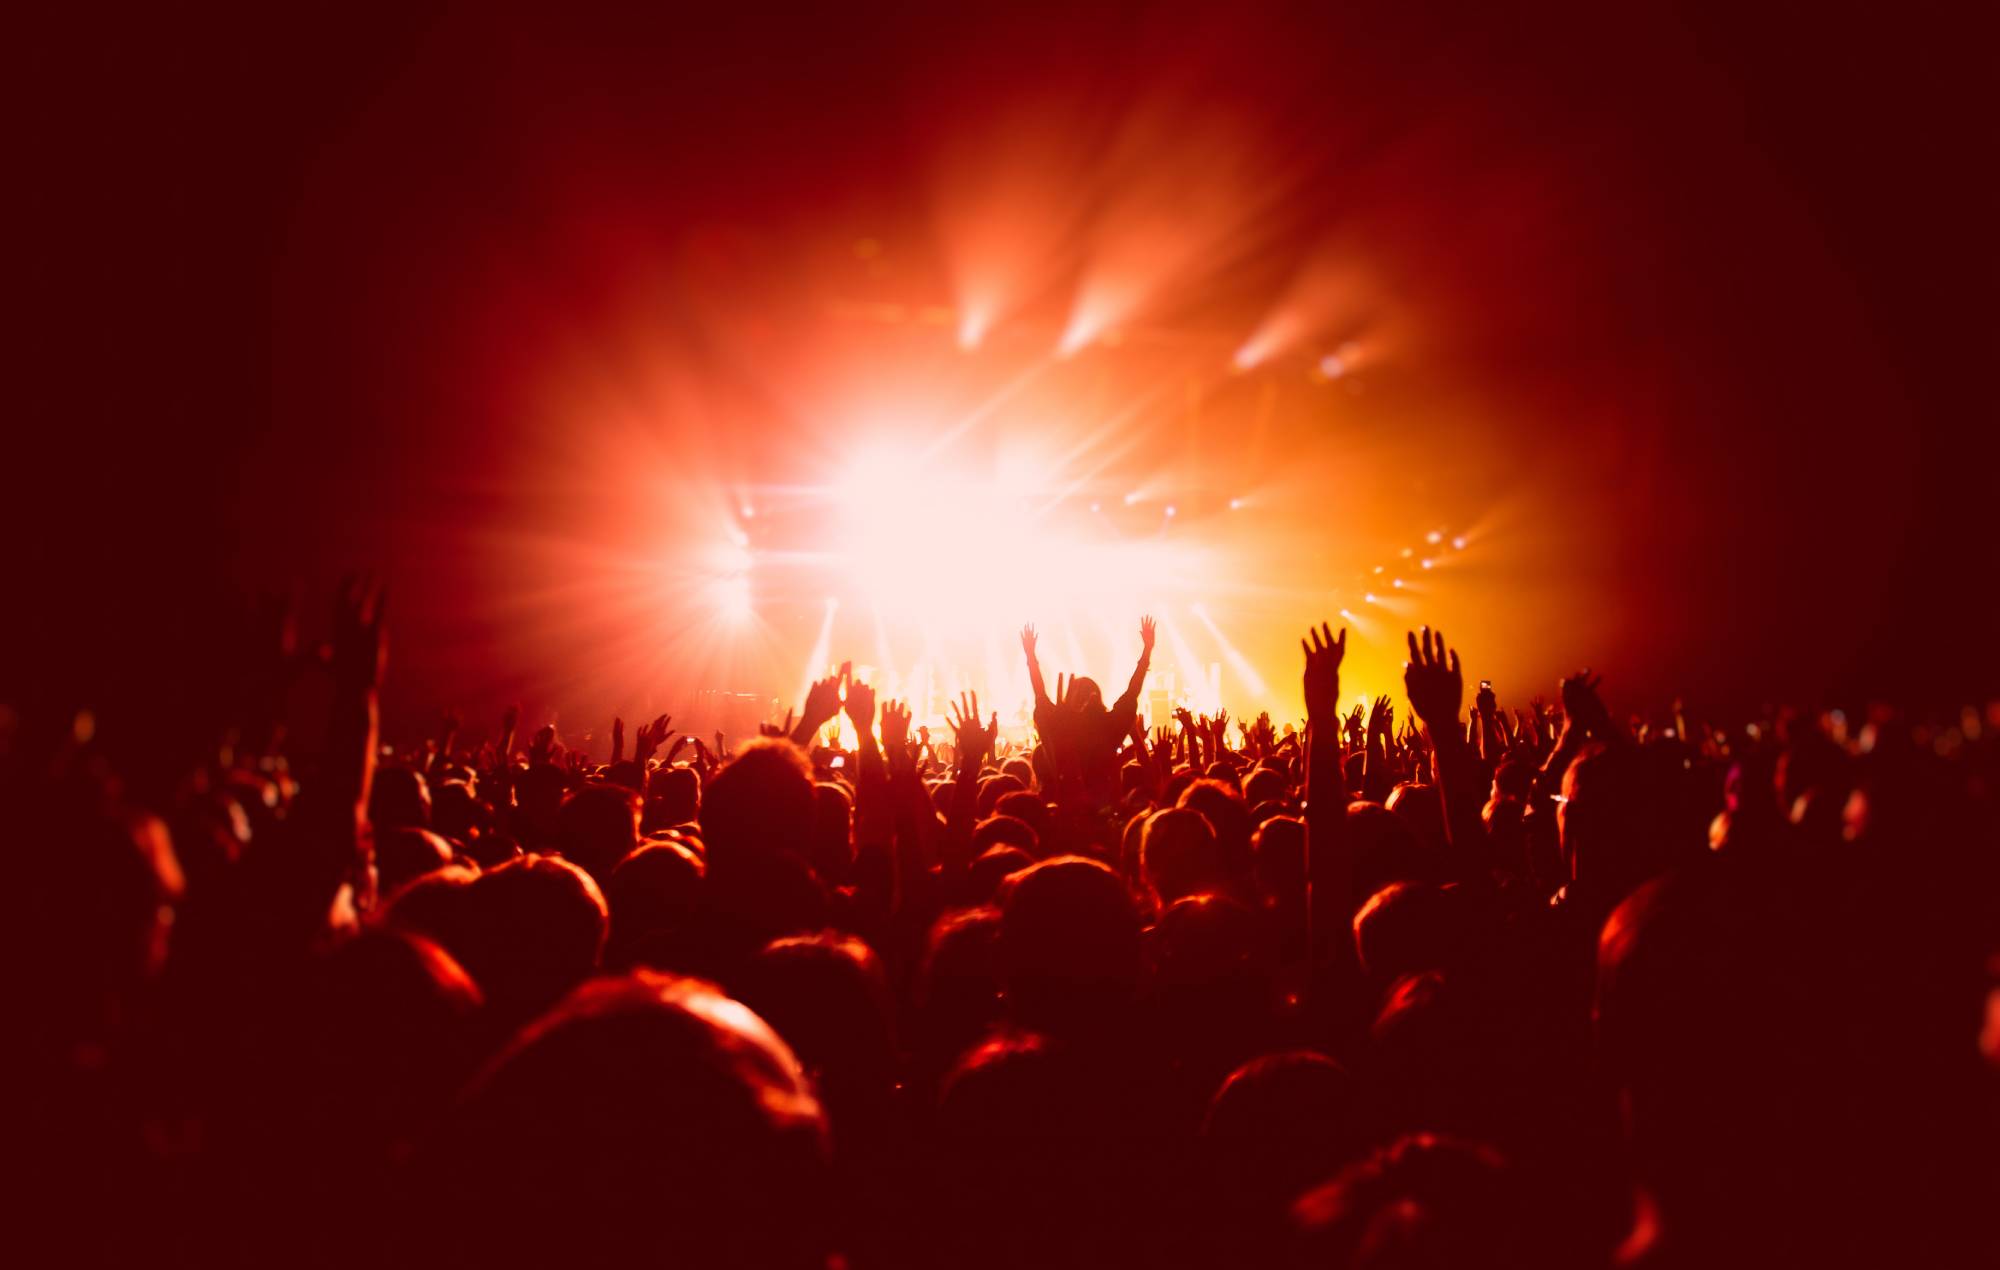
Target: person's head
<point x="1221" y="804"/>
<point x="1020" y="769"/>
<point x="992" y="868"/>
<point x="384" y="1033"/>
<point x="402" y="855"/>
<point x="1069" y="946"/>
<point x="1425" y="1200"/>
<point x="1404" y="928"/>
<point x="527" y="931"/>
<point x="1179" y="856"/>
<point x="761" y="802"/>
<point x="1084" y="696"/>
<point x="1278" y="850"/>
<point x="828" y="996"/>
<point x="1006" y="831"/>
<point x="399" y="798"/>
<point x="1026" y="806"/>
<point x="1420" y="807"/>
<point x="1277" y="1125"/>
<point x="647" y="1119"/>
<point x="1264" y="785"/>
<point x="992" y="789"/>
<point x="655" y="897"/>
<point x="456" y="812"/>
<point x="1385" y="849"/>
<point x="673" y="797"/>
<point x="597" y="827"/>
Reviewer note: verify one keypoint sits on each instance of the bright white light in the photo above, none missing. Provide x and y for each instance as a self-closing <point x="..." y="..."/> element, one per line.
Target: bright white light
<point x="1170" y="509"/>
<point x="1332" y="366"/>
<point x="1397" y="583"/>
<point x="1093" y="507"/>
<point x="1235" y="504"/>
<point x="1368" y="598"/>
<point x="1133" y="497"/>
<point x="1434" y="537"/>
<point x="1459" y="542"/>
<point x="1407" y="552"/>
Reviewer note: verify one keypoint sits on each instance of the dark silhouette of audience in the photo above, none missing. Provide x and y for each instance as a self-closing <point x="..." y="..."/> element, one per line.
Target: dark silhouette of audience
<point x="1491" y="988"/>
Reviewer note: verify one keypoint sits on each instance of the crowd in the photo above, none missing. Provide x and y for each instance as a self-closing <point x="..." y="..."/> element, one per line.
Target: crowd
<point x="1478" y="986"/>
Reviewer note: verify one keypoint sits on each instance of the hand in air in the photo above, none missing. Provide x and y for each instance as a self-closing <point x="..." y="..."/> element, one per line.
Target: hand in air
<point x="650" y="737"/>
<point x="1148" y="629"/>
<point x="1322" y="678"/>
<point x="1582" y="707"/>
<point x="1432" y="680"/>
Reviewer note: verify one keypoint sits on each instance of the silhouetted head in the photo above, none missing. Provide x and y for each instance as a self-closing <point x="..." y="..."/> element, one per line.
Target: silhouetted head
<point x="527" y="932"/>
<point x="673" y="797"/>
<point x="1179" y="856"/>
<point x="1278" y="850"/>
<point x="1084" y="695"/>
<point x="647" y="1120"/>
<point x="1424" y="1201"/>
<point x="399" y="798"/>
<point x="597" y="827"/>
<point x="1069" y="945"/>
<point x="993" y="867"/>
<point x="1404" y="928"/>
<point x="1277" y="1125"/>
<point x="998" y="831"/>
<point x="1221" y="804"/>
<point x="655" y="895"/>
<point x="992" y="789"/>
<point x="1026" y="806"/>
<point x="759" y="803"/>
<point x="828" y="996"/>
<point x="457" y="813"/>
<point x="402" y="855"/>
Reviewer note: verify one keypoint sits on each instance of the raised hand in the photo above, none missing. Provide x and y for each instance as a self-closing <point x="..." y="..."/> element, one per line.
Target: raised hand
<point x="1148" y="629"/>
<point x="1028" y="640"/>
<point x="650" y="737"/>
<point x="1355" y="728"/>
<point x="861" y="708"/>
<point x="1432" y="680"/>
<point x="1322" y="678"/>
<point x="772" y="729"/>
<point x="895" y="725"/>
<point x="822" y="707"/>
<point x="1381" y="718"/>
<point x="681" y="742"/>
<point x="617" y="739"/>
<point x="969" y="735"/>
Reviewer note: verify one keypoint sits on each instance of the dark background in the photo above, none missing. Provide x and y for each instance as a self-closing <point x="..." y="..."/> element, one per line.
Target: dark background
<point x="1720" y="284"/>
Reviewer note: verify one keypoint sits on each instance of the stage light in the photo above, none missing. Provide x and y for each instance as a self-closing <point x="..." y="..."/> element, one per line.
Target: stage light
<point x="1397" y="583"/>
<point x="1093" y="507"/>
<point x="1434" y="537"/>
<point x="1170" y="510"/>
<point x="1332" y="366"/>
<point x="1426" y="562"/>
<point x="1407" y="552"/>
<point x="1253" y="682"/>
<point x="1133" y="497"/>
<point x="1235" y="504"/>
<point x="1368" y="597"/>
<point x="1459" y="542"/>
<point x="971" y="330"/>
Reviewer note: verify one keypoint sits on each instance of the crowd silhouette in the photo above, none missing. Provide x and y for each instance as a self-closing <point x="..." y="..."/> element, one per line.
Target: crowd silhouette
<point x="1485" y="986"/>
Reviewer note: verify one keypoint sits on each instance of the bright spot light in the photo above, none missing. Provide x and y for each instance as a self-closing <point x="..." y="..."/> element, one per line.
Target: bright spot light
<point x="1407" y="552"/>
<point x="732" y="599"/>
<point x="971" y="330"/>
<point x="1170" y="509"/>
<point x="1093" y="507"/>
<point x="1368" y="598"/>
<point x="1459" y="542"/>
<point x="748" y="512"/>
<point x="1332" y="366"/>
<point x="1347" y="614"/>
<point x="1434" y="537"/>
<point x="1133" y="497"/>
<point x="1235" y="504"/>
<point x="1426" y="562"/>
<point x="1378" y="568"/>
<point x="1396" y="583"/>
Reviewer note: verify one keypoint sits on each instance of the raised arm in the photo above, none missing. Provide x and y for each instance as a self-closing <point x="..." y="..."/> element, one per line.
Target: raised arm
<point x="1129" y="700"/>
<point x="1034" y="666"/>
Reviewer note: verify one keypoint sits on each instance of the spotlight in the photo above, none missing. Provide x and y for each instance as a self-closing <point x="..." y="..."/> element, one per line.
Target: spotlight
<point x="1407" y="552"/>
<point x="1332" y="366"/>
<point x="1170" y="510"/>
<point x="1397" y="583"/>
<point x="1235" y="504"/>
<point x="1133" y="497"/>
<point x="1426" y="562"/>
<point x="1093" y="507"/>
<point x="1368" y="597"/>
<point x="1434" y="537"/>
<point x="1459" y="542"/>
